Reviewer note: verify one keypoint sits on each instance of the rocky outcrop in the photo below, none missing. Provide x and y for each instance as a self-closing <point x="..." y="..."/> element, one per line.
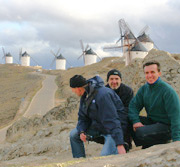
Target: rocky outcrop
<point x="39" y="135"/>
<point x="26" y="125"/>
<point x="133" y="74"/>
<point x="51" y="139"/>
<point x="157" y="156"/>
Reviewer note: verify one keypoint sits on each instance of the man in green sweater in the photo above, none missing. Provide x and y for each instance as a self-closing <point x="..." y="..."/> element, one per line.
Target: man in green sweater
<point x="162" y="106"/>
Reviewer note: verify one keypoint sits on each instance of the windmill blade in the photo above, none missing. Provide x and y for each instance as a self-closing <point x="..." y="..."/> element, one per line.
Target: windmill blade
<point x="53" y="54"/>
<point x="69" y="63"/>
<point x="87" y="46"/>
<point x="20" y="53"/>
<point x="145" y="29"/>
<point x="82" y="46"/>
<point x="122" y="43"/>
<point x="120" y="39"/>
<point x="120" y="31"/>
<point x="156" y="46"/>
<point x="53" y="62"/>
<point x="125" y="27"/>
<point x="83" y="59"/>
<point x="16" y="60"/>
<point x="81" y="56"/>
<point x="58" y="52"/>
<point x="110" y="47"/>
<point x="98" y="57"/>
<point x="34" y="60"/>
<point x="3" y="53"/>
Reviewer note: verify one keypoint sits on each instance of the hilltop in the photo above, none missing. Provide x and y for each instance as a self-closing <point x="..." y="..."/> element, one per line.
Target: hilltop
<point x="44" y="141"/>
<point x="17" y="85"/>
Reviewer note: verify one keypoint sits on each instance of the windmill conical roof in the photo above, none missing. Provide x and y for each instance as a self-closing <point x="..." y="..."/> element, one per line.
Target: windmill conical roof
<point x="138" y="47"/>
<point x="144" y="38"/>
<point x="25" y="54"/>
<point x="8" y="55"/>
<point x="90" y="52"/>
<point x="60" y="57"/>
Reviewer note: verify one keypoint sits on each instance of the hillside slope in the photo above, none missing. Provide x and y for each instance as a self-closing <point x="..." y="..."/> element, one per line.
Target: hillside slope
<point x="17" y="84"/>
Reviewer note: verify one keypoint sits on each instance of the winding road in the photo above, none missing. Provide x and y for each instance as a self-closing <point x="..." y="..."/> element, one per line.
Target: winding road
<point x="42" y="102"/>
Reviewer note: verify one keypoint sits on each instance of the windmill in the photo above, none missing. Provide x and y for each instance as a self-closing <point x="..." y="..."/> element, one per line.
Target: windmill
<point x="60" y="60"/>
<point x="8" y="57"/>
<point x="24" y="58"/>
<point x="89" y="56"/>
<point x="130" y="45"/>
<point x="145" y="39"/>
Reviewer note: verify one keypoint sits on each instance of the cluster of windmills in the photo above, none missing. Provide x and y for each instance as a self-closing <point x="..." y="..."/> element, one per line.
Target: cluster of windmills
<point x="88" y="55"/>
<point x="132" y="47"/>
<point x="24" y="58"/>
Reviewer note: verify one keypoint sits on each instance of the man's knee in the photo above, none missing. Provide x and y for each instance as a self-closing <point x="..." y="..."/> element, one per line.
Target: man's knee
<point x="74" y="134"/>
<point x="140" y="133"/>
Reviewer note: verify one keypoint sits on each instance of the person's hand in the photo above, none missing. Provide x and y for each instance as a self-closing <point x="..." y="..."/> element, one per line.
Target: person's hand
<point x="83" y="137"/>
<point x="137" y="125"/>
<point x="121" y="149"/>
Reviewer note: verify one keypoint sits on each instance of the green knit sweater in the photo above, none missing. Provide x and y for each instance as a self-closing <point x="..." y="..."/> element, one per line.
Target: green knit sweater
<point x="161" y="103"/>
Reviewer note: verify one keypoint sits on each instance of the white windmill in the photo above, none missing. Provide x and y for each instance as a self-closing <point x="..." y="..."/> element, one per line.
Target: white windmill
<point x="145" y="39"/>
<point x="89" y="56"/>
<point x="131" y="46"/>
<point x="8" y="57"/>
<point x="24" y="58"/>
<point x="60" y="60"/>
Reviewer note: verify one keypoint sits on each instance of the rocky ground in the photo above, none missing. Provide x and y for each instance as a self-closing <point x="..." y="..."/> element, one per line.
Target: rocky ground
<point x="44" y="141"/>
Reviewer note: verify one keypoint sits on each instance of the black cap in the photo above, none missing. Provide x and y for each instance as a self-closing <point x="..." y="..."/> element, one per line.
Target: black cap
<point x="77" y="81"/>
<point x="113" y="72"/>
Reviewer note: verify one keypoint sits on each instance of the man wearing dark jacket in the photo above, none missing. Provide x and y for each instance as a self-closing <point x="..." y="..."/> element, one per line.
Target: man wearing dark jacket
<point x="101" y="113"/>
<point x="125" y="93"/>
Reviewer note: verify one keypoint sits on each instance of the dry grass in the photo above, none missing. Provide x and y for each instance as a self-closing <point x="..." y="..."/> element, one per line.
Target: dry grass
<point x="16" y="84"/>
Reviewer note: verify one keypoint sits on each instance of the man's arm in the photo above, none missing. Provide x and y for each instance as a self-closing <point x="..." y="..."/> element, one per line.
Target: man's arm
<point x="83" y="119"/>
<point x="135" y="106"/>
<point x="109" y="117"/>
<point x="172" y="106"/>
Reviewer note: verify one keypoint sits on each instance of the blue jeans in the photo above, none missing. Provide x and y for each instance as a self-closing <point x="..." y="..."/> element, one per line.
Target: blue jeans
<point x="151" y="133"/>
<point x="78" y="150"/>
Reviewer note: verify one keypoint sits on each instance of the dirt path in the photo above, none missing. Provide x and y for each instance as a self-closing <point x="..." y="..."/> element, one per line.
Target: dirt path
<point x="43" y="101"/>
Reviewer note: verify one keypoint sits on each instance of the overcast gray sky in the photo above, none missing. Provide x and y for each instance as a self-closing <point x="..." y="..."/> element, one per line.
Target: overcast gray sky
<point x="38" y="26"/>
